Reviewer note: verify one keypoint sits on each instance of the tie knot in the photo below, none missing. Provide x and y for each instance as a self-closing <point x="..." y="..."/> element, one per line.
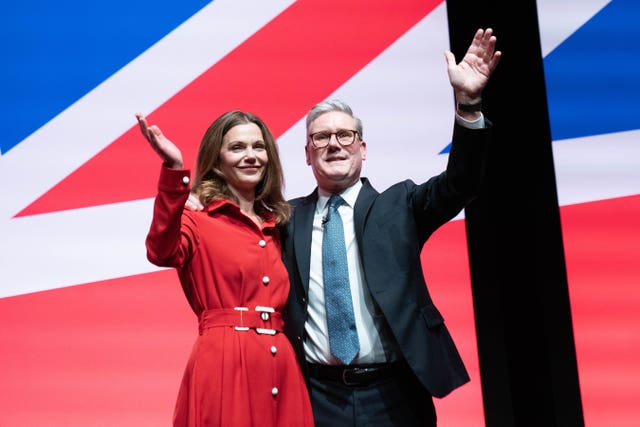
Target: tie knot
<point x="335" y="201"/>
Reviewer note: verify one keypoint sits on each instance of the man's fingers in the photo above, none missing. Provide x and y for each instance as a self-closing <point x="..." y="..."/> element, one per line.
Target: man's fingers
<point x="449" y="58"/>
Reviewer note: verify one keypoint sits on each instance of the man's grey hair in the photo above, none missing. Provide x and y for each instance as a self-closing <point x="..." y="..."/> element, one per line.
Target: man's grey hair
<point x="333" y="105"/>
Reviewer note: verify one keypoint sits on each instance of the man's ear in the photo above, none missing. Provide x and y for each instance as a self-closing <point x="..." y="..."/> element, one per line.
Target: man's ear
<point x="363" y="150"/>
<point x="307" y="155"/>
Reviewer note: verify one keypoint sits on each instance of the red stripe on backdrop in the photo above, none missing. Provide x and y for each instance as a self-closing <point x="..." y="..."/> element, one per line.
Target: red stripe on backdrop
<point x="446" y="265"/>
<point x="602" y="249"/>
<point x="108" y="353"/>
<point x="298" y="59"/>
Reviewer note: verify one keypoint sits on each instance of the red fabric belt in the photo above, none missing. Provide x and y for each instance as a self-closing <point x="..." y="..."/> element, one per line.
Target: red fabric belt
<point x="262" y="319"/>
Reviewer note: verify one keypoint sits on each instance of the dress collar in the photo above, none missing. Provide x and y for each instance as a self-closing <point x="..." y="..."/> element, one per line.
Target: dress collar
<point x="227" y="206"/>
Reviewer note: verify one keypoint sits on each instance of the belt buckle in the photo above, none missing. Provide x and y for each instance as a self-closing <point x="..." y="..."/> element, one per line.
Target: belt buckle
<point x="345" y="372"/>
<point x="264" y="315"/>
<point x="241" y="327"/>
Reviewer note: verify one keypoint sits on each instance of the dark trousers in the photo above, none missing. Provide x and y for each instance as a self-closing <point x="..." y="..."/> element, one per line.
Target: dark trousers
<point x="400" y="401"/>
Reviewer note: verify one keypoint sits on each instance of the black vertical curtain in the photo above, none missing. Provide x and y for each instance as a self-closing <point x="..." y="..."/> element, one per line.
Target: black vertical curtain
<point x="523" y="320"/>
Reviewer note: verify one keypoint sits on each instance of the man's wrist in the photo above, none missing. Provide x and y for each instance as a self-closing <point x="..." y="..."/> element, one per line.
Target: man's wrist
<point x="470" y="107"/>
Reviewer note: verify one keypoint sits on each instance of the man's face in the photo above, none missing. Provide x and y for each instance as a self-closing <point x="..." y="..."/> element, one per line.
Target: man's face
<point x="335" y="166"/>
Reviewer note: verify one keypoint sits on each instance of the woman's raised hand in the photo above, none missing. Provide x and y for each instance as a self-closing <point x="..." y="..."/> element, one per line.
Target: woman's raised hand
<point x="167" y="150"/>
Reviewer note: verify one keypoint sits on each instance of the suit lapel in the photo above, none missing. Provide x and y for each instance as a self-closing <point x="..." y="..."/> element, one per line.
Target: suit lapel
<point x="302" y="230"/>
<point x="363" y="203"/>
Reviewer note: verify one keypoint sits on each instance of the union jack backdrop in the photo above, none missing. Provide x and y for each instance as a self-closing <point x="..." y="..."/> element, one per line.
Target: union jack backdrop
<point x="94" y="335"/>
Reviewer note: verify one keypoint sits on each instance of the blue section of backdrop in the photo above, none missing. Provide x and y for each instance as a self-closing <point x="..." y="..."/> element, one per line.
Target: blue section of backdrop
<point x="55" y="52"/>
<point x="592" y="78"/>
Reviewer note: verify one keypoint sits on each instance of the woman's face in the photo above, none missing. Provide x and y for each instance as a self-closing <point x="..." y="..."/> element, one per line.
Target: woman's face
<point x="243" y="157"/>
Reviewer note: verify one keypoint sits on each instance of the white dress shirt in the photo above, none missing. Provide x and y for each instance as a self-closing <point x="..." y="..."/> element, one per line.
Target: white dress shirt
<point x="367" y="315"/>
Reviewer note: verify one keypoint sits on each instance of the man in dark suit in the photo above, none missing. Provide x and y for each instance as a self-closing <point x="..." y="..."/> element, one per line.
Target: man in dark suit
<point x="401" y="354"/>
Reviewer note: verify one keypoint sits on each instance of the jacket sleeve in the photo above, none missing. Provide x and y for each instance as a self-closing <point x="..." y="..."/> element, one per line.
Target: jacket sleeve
<point x="444" y="196"/>
<point x="467" y="158"/>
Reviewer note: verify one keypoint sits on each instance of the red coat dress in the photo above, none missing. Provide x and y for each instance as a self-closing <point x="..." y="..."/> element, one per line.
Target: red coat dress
<point x="242" y="370"/>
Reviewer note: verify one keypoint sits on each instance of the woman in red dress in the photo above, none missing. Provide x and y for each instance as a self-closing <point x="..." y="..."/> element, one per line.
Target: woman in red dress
<point x="242" y="370"/>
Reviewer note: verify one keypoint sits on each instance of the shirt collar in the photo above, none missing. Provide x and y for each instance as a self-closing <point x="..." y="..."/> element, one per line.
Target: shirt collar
<point x="349" y="195"/>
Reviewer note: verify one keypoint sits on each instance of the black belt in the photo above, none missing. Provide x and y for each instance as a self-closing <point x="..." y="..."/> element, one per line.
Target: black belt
<point x="356" y="375"/>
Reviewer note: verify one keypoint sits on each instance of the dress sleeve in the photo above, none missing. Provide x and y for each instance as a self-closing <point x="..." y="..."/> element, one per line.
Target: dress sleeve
<point x="170" y="242"/>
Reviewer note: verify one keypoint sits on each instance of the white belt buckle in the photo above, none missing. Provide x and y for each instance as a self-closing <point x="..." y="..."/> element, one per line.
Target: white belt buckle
<point x="264" y="315"/>
<point x="241" y="328"/>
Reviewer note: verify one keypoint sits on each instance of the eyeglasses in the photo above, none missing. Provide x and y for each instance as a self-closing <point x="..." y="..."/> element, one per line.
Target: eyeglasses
<point x="344" y="136"/>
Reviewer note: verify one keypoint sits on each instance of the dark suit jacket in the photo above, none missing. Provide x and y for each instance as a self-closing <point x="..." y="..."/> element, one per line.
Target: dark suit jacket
<point x="391" y="229"/>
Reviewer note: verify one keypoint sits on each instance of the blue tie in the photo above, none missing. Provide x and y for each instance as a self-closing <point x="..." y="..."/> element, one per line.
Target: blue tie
<point x="343" y="337"/>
